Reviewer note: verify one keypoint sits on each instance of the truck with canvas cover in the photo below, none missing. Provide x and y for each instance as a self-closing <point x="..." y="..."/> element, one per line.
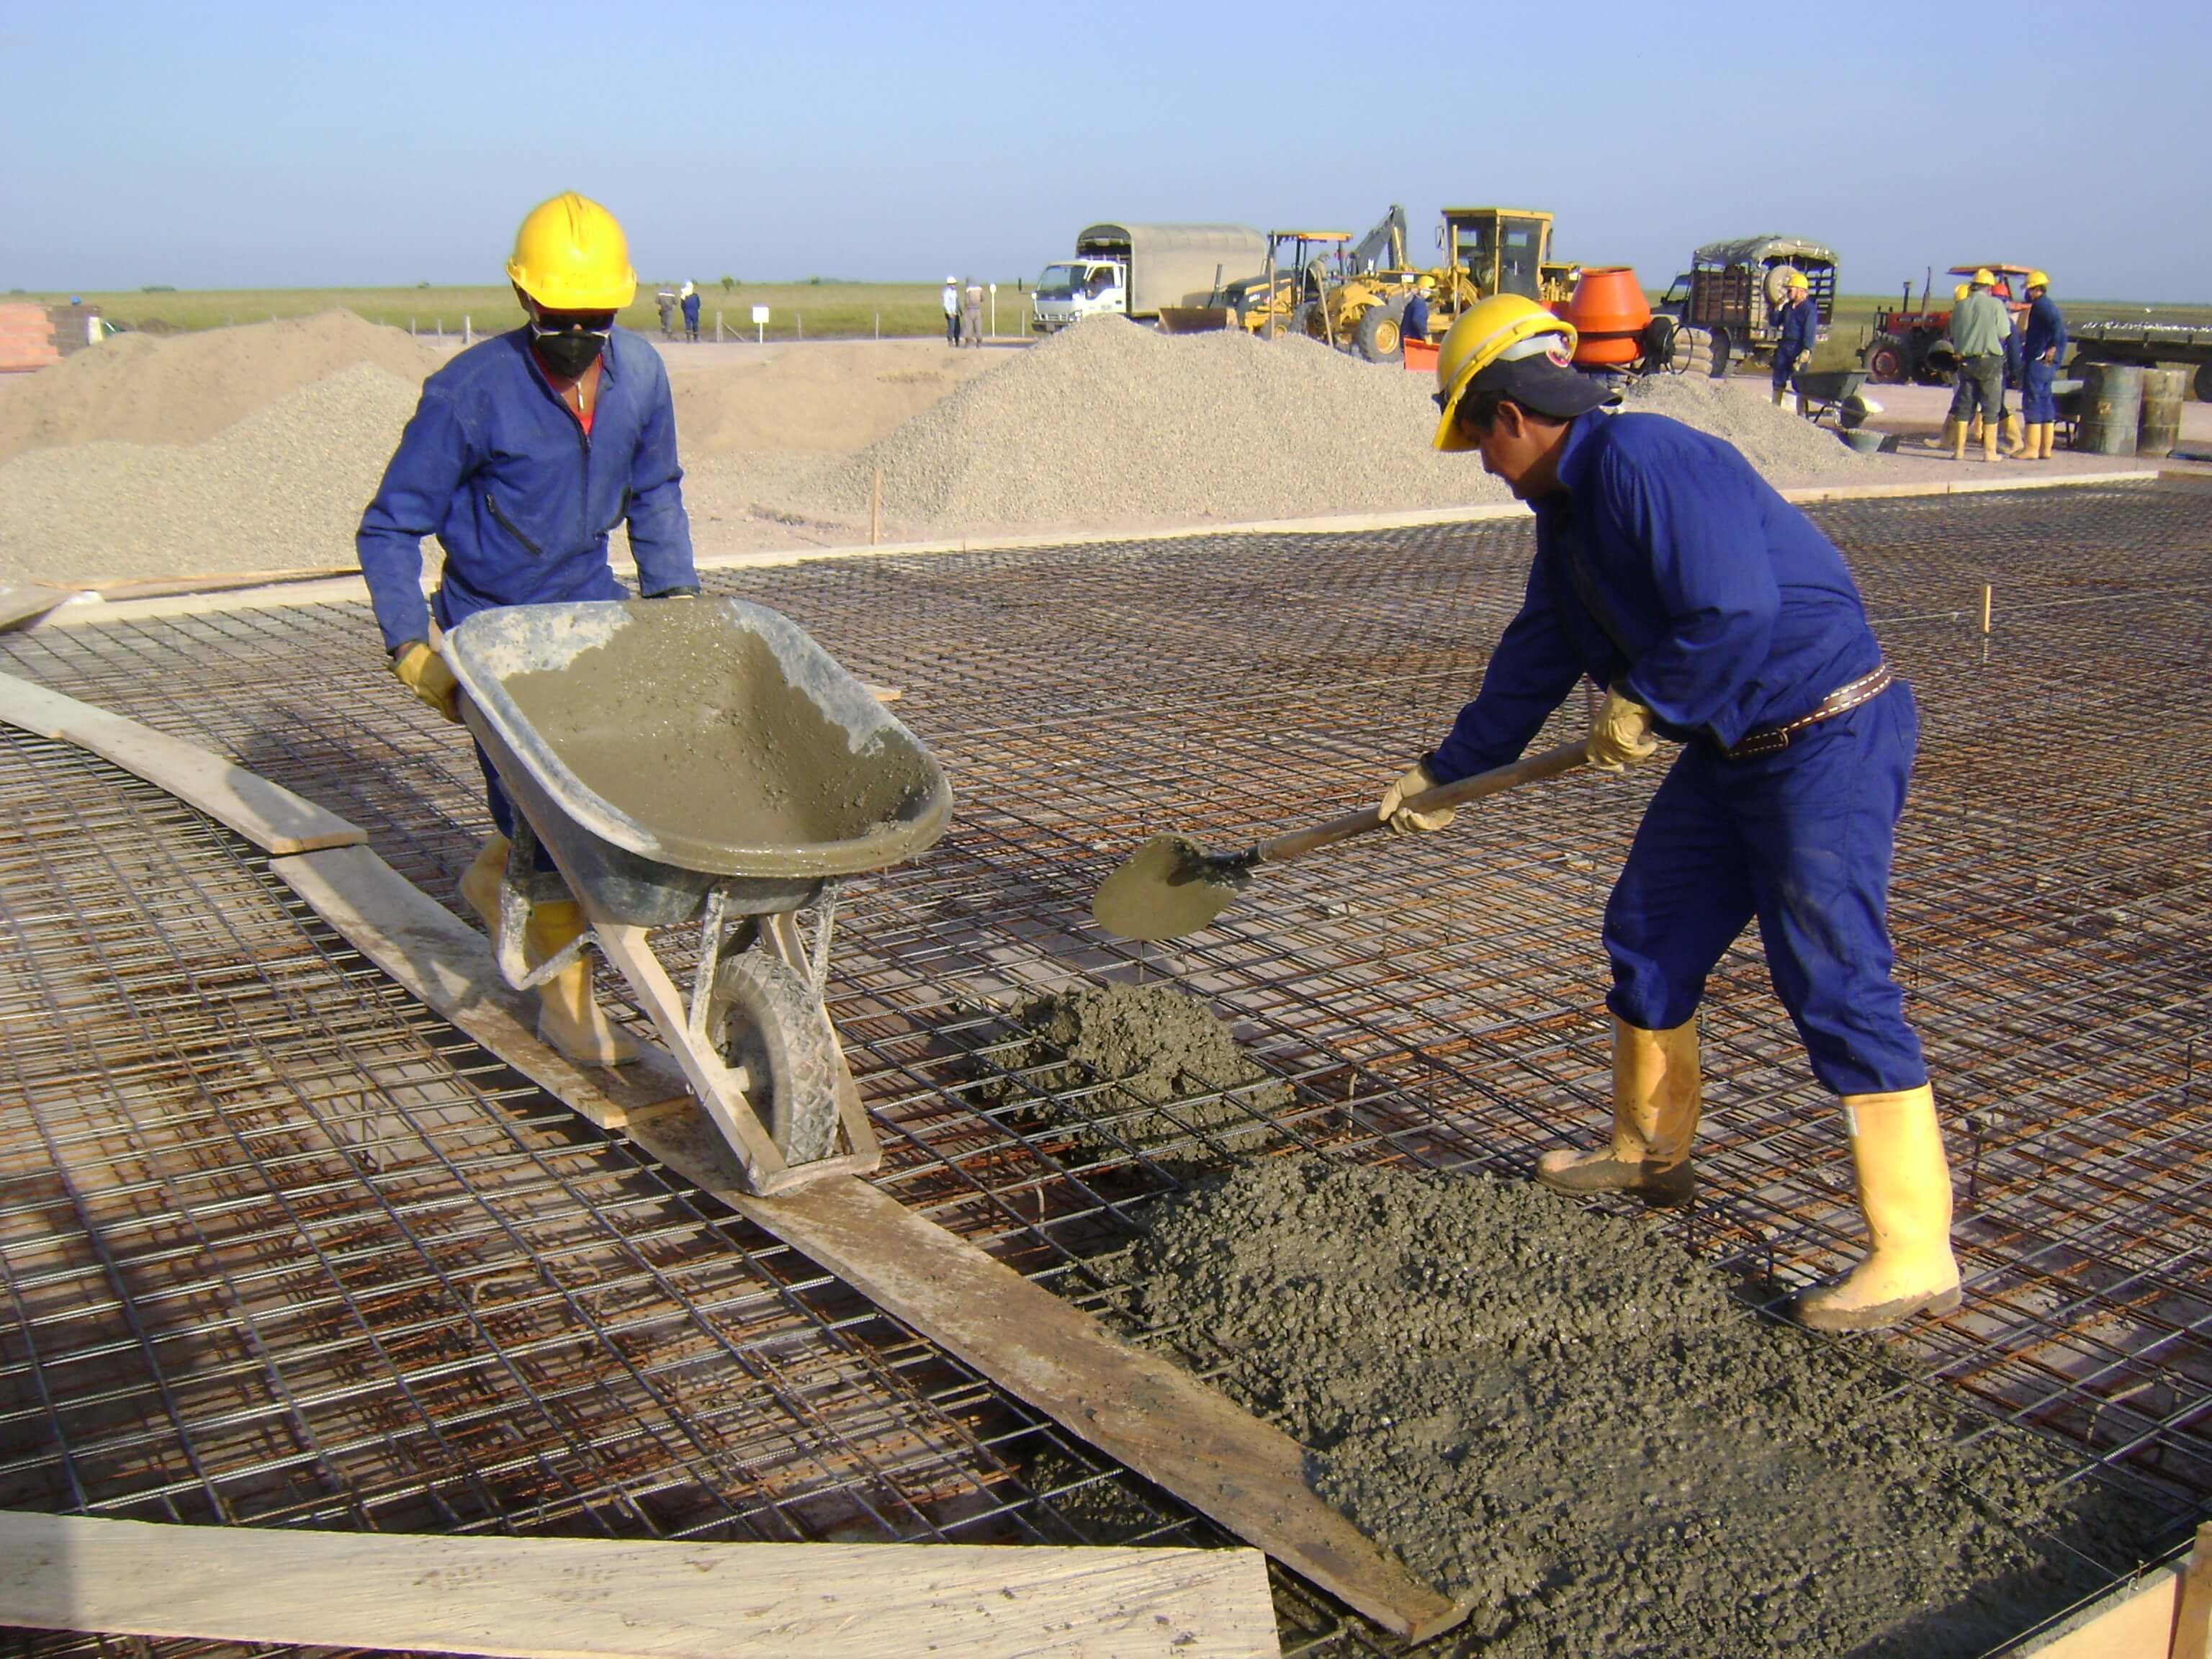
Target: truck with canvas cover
<point x="1732" y="290"/>
<point x="1137" y="270"/>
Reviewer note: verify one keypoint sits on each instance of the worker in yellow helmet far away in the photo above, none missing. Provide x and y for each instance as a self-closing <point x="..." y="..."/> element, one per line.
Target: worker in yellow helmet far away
<point x="1720" y="620"/>
<point x="2043" y="348"/>
<point x="1799" y="317"/>
<point x="1978" y="328"/>
<point x="525" y="450"/>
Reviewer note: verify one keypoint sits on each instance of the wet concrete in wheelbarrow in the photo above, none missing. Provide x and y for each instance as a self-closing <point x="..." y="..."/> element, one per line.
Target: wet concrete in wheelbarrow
<point x="1566" y="1414"/>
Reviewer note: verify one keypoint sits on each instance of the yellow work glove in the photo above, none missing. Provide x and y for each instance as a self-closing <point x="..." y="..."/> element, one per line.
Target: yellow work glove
<point x="1392" y="808"/>
<point x="1620" y="732"/>
<point x="423" y="672"/>
<point x="1804" y="361"/>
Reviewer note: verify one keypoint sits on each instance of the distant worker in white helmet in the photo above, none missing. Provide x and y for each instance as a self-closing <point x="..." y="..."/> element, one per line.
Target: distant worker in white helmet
<point x="523" y="452"/>
<point x="950" y="299"/>
<point x="1718" y="619"/>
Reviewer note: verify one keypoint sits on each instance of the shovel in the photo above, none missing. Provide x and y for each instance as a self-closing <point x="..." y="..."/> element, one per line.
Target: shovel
<point x="1170" y="887"/>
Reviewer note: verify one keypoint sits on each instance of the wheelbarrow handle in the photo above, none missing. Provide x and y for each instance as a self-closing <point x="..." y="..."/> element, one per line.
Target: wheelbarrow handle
<point x="1528" y="770"/>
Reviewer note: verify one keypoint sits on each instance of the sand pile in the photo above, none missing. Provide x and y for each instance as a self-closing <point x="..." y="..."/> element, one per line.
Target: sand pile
<point x="1566" y="1414"/>
<point x="1782" y="444"/>
<point x="282" y="489"/>
<point x="186" y="388"/>
<point x="1109" y="422"/>
<point x="831" y="397"/>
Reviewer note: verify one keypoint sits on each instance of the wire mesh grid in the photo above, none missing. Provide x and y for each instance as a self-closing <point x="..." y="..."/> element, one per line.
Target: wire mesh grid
<point x="1434" y="1003"/>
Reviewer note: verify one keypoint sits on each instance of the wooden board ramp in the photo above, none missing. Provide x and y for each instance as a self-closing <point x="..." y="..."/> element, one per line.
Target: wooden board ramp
<point x="273" y="818"/>
<point x="557" y="1598"/>
<point x="1139" y="1408"/>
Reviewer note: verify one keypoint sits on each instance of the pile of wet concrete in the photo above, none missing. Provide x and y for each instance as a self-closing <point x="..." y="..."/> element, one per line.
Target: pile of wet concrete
<point x="1562" y="1415"/>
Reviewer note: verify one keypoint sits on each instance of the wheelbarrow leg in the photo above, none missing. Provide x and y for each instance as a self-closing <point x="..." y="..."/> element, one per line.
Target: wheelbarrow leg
<point x="781" y="933"/>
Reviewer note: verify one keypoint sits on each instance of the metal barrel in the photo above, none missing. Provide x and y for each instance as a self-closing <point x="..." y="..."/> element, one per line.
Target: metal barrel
<point x="2164" y="389"/>
<point x="2111" y="404"/>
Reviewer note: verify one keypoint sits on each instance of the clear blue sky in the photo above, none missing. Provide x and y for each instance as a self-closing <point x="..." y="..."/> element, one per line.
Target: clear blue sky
<point x="311" y="144"/>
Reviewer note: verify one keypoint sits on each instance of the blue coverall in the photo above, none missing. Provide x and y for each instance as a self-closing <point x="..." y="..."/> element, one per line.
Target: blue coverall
<point x="521" y="498"/>
<point x="691" y="316"/>
<point x="1667" y="566"/>
<point x="1414" y="323"/>
<point x="2046" y="332"/>
<point x="1801" y="331"/>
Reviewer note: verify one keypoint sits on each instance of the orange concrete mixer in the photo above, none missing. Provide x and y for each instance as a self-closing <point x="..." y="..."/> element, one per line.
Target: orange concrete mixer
<point x="1610" y="314"/>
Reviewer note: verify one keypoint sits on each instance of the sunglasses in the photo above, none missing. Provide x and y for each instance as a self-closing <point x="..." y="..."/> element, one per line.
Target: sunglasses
<point x="598" y="322"/>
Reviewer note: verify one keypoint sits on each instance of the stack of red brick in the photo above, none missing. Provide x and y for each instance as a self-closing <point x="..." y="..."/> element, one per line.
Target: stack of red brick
<point x="26" y="338"/>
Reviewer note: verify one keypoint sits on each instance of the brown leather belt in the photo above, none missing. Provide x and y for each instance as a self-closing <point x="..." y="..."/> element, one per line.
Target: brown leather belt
<point x="1773" y="739"/>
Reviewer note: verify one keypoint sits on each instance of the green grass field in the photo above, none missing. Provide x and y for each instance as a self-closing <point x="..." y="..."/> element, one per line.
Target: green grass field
<point x="823" y="311"/>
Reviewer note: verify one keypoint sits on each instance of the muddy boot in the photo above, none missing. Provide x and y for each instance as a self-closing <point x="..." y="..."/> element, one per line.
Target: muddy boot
<point x="1656" y="1097"/>
<point x="2015" y="445"/>
<point x="1955" y="439"/>
<point x="1904" y="1192"/>
<point x="568" y="1017"/>
<point x="479" y="884"/>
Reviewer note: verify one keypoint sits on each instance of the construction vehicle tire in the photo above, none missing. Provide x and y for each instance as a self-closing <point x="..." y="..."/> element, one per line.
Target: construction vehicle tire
<point x="1375" y="336"/>
<point x="1886" y="359"/>
<point x="1306" y="319"/>
<point x="763" y="1015"/>
<point x="2200" y="382"/>
<point x="1723" y="351"/>
<point x="1665" y="349"/>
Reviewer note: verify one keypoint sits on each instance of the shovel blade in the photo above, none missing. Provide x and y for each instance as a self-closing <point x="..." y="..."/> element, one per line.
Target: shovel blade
<point x="1166" y="888"/>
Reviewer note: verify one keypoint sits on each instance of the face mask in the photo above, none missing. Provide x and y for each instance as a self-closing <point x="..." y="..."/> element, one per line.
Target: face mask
<point x="570" y="352"/>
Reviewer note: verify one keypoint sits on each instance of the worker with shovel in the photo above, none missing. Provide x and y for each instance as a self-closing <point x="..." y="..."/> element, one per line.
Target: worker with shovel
<point x="1720" y="619"/>
<point x="523" y="452"/>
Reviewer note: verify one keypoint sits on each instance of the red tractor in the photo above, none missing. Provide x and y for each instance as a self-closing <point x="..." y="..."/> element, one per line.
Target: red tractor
<point x="1910" y="344"/>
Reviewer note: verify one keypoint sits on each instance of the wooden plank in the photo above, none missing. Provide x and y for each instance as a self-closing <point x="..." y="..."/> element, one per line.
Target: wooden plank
<point x="2192" y="1613"/>
<point x="1138" y="1408"/>
<point x="25" y="602"/>
<point x="555" y="1598"/>
<point x="273" y="818"/>
<point x="2165" y="1615"/>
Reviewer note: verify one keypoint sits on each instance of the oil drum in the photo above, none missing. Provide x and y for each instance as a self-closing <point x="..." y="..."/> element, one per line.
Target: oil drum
<point x="2112" y="406"/>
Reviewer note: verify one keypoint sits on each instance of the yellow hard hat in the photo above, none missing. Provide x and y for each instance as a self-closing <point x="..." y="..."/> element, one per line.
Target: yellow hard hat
<point x="1501" y="329"/>
<point x="1985" y="278"/>
<point x="1960" y="292"/>
<point x="1797" y="278"/>
<point x="571" y="255"/>
<point x="2039" y="279"/>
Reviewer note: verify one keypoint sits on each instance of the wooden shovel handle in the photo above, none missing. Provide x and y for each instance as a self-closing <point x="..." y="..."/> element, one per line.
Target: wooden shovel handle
<point x="1528" y="770"/>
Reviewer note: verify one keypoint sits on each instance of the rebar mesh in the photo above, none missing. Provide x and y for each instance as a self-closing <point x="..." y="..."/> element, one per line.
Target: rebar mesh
<point x="265" y="1148"/>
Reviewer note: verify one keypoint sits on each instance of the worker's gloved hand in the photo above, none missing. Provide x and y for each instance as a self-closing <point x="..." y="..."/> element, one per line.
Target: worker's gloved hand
<point x="1392" y="807"/>
<point x="1802" y="362"/>
<point x="423" y="672"/>
<point x="1620" y="732"/>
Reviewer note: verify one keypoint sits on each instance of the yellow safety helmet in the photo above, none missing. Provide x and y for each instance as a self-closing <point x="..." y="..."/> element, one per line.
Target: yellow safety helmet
<point x="1985" y="278"/>
<point x="1503" y="328"/>
<point x="571" y="255"/>
<point x="1797" y="278"/>
<point x="1960" y="292"/>
<point x="2039" y="279"/>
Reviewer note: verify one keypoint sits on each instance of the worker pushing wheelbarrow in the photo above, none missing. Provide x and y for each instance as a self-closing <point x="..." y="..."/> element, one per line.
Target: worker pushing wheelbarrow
<point x="703" y="763"/>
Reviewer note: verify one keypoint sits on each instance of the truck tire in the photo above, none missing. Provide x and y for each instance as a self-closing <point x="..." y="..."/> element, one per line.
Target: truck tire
<point x="1723" y="350"/>
<point x="1665" y="349"/>
<point x="2200" y="382"/>
<point x="763" y="1016"/>
<point x="1888" y="360"/>
<point x="1376" y="338"/>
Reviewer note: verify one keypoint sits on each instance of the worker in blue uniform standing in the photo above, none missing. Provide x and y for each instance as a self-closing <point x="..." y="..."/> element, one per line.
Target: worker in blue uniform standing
<point x="1413" y="322"/>
<point x="1720" y="620"/>
<point x="1799" y="317"/>
<point x="2045" y="344"/>
<point x="525" y="450"/>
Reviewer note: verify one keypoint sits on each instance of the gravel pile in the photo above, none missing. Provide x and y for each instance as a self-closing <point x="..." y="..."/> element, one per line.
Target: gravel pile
<point x="1108" y="420"/>
<point x="1781" y="443"/>
<point x="1565" y="1415"/>
<point x="186" y="388"/>
<point x="282" y="489"/>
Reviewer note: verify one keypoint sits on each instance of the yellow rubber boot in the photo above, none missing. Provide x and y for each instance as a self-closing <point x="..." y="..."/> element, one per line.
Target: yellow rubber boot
<point x="1655" y="1097"/>
<point x="2050" y="437"/>
<point x="2015" y="445"/>
<point x="1904" y="1192"/>
<point x="479" y="884"/>
<point x="1955" y="439"/>
<point x="1780" y="392"/>
<point x="1990" y="441"/>
<point x="568" y="1017"/>
<point x="1974" y="430"/>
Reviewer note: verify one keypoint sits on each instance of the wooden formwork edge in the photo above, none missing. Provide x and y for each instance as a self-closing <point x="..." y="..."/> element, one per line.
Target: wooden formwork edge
<point x="82" y="607"/>
<point x="562" y="1598"/>
<point x="2165" y="1613"/>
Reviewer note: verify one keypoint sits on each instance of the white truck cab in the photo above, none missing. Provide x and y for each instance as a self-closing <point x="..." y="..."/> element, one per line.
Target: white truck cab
<point x="1072" y="289"/>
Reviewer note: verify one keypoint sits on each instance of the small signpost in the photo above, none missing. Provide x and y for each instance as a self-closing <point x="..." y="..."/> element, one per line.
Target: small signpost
<point x="760" y="324"/>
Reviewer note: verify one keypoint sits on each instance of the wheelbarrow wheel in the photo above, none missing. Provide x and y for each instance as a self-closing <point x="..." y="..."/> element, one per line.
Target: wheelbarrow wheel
<point x="766" y="1018"/>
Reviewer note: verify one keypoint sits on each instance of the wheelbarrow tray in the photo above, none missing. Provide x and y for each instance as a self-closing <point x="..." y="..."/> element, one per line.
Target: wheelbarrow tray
<point x="712" y="734"/>
<point x="1829" y="385"/>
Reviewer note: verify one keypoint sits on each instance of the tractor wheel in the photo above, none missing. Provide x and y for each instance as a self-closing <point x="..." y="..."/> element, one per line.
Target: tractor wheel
<point x="763" y="1016"/>
<point x="1306" y="319"/>
<point x="1376" y="337"/>
<point x="1723" y="350"/>
<point x="1886" y="361"/>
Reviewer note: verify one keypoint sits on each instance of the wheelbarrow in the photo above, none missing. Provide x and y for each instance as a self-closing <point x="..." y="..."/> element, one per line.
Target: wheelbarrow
<point x="701" y="763"/>
<point x="1821" y="392"/>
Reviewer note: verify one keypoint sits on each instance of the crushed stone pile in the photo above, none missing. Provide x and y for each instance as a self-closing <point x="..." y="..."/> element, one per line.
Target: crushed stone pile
<point x="186" y="388"/>
<point x="1108" y="420"/>
<point x="282" y="489"/>
<point x="1566" y="1416"/>
<point x="1782" y="444"/>
<point x="1178" y="1078"/>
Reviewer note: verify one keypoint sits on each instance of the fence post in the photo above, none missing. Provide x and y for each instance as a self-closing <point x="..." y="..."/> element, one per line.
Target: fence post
<point x="441" y="330"/>
<point x="879" y="325"/>
<point x="798" y="322"/>
<point x="718" y="328"/>
<point x="411" y="328"/>
<point x="468" y="331"/>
